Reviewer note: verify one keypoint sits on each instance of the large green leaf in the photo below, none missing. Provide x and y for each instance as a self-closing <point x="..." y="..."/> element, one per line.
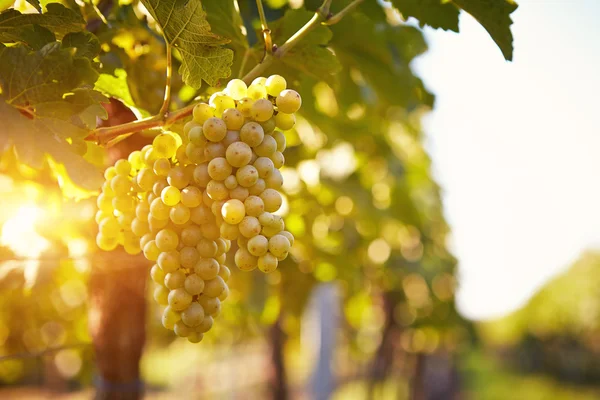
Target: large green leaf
<point x="494" y="16"/>
<point x="225" y="20"/>
<point x="184" y="25"/>
<point x="85" y="43"/>
<point x="435" y="13"/>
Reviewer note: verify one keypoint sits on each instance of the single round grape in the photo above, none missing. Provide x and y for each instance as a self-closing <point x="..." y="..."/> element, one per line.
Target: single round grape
<point x="220" y="102"/>
<point x="195" y="154"/>
<point x="206" y="324"/>
<point x="267" y="263"/>
<point x="266" y="218"/>
<point x="288" y="101"/>
<point x="233" y="211"/>
<point x="179" y="299"/>
<point x="275" y="181"/>
<point x="131" y="244"/>
<point x="145" y="239"/>
<point x="106" y="243"/>
<point x="135" y="159"/>
<point x="162" y="166"/>
<point x="139" y="227"/>
<point x="104" y="203"/>
<point x="289" y="237"/>
<point x="245" y="106"/>
<point x="279" y="245"/>
<point x="278" y="223"/>
<point x="159" y="210"/>
<point x="247" y="176"/>
<point x="238" y="154"/>
<point x="169" y="261"/>
<point x="219" y="168"/>
<point x="231" y="137"/>
<point x="145" y="179"/>
<point x="230" y="182"/>
<point x="151" y="251"/>
<point x="207" y="268"/>
<point x="178" y="178"/>
<point x="252" y="134"/>
<point x="191" y="235"/>
<point x="262" y="110"/>
<point x="149" y="155"/>
<point x="214" y="129"/>
<point x="254" y="206"/>
<point x="161" y="295"/>
<point x="233" y="119"/>
<point x="157" y="274"/>
<point x="207" y="248"/>
<point x="214" y="287"/>
<point x="256" y="92"/>
<point x="107" y="189"/>
<point x="175" y="279"/>
<point x="180" y="156"/>
<point x="193" y="316"/>
<point x="258" y="245"/>
<point x="272" y="199"/>
<point x="120" y="184"/>
<point x="123" y="167"/>
<point x="156" y="225"/>
<point x="216" y="190"/>
<point x="201" y="176"/>
<point x="206" y="200"/>
<point x="275" y="84"/>
<point x="269" y="231"/>
<point x="210" y="231"/>
<point x="237" y="89"/>
<point x="193" y="284"/>
<point x="228" y="231"/>
<point x="244" y="260"/>
<point x="180" y="214"/>
<point x="240" y="193"/>
<point x="182" y="330"/>
<point x="249" y="226"/>
<point x="280" y="140"/>
<point x="191" y="196"/>
<point x="124" y="221"/>
<point x="100" y="215"/>
<point x="264" y="166"/>
<point x="202" y="112"/>
<point x="165" y="145"/>
<point x="285" y="121"/>
<point x="167" y="240"/>
<point x="221" y="258"/>
<point x="211" y="305"/>
<point x="110" y="173"/>
<point x="267" y="147"/>
<point x="224" y="273"/>
<point x="196" y="136"/>
<point x="189" y="256"/>
<point x="278" y="159"/>
<point x="201" y="215"/>
<point x="170" y="196"/>
<point x="268" y="125"/>
<point x="195" y="337"/>
<point x="109" y="227"/>
<point x="214" y="150"/>
<point x="188" y="126"/>
<point x="158" y="187"/>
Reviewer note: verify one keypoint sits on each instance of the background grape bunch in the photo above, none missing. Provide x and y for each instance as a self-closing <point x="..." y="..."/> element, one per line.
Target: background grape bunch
<point x="184" y="199"/>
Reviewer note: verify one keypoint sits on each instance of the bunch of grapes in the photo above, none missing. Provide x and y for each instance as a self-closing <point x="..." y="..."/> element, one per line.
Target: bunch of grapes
<point x="183" y="205"/>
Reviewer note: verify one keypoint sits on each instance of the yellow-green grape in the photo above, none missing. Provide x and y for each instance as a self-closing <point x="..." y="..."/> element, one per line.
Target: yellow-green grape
<point x="156" y="225"/>
<point x="215" y="208"/>
<point x="224" y="273"/>
<point x="180" y="214"/>
<point x="237" y="89"/>
<point x="221" y="258"/>
<point x="269" y="231"/>
<point x="179" y="299"/>
<point x="120" y="185"/>
<point x="106" y="243"/>
<point x="207" y="268"/>
<point x="272" y="199"/>
<point x="107" y="190"/>
<point x="195" y="337"/>
<point x="278" y="159"/>
<point x="110" y="173"/>
<point x="233" y="119"/>
<point x="242" y="242"/>
<point x="207" y="248"/>
<point x="258" y="245"/>
<point x="182" y="330"/>
<point x="159" y="210"/>
<point x="288" y="101"/>
<point x="252" y="134"/>
<point x="157" y="274"/>
<point x="196" y="136"/>
<point x="125" y="221"/>
<point x="224" y="295"/>
<point x="180" y="156"/>
<point x="178" y="178"/>
<point x="191" y="196"/>
<point x="228" y="231"/>
<point x="139" y="227"/>
<point x="280" y="140"/>
<point x="170" y="317"/>
<point x="193" y="284"/>
<point x="221" y="245"/>
<point x="220" y="101"/>
<point x="267" y="147"/>
<point x="170" y="196"/>
<point x="244" y="260"/>
<point x="145" y="239"/>
<point x="206" y="324"/>
<point x="211" y="305"/>
<point x="285" y="121"/>
<point x="189" y="256"/>
<point x="254" y="206"/>
<point x="100" y="215"/>
<point x="159" y="186"/>
<point x="266" y="219"/>
<point x="109" y="226"/>
<point x="162" y="166"/>
<point x="167" y="240"/>
<point x="104" y="203"/>
<point x="241" y="193"/>
<point x="149" y="155"/>
<point x="214" y="287"/>
<point x="257" y="92"/>
<point x="275" y="84"/>
<point x="169" y="261"/>
<point x="202" y="112"/>
<point x="264" y="166"/>
<point x="233" y="211"/>
<point x="247" y="176"/>
<point x="123" y="167"/>
<point x="249" y="226"/>
<point x="191" y="235"/>
<point x="193" y="316"/>
<point x="245" y="106"/>
<point x="165" y="145"/>
<point x="238" y="154"/>
<point x="161" y="295"/>
<point x="268" y="125"/>
<point x="289" y="237"/>
<point x="230" y="182"/>
<point x="219" y="168"/>
<point x="135" y="159"/>
<point x="261" y="80"/>
<point x="279" y="245"/>
<point x="210" y="231"/>
<point x="275" y="180"/>
<point x="262" y="110"/>
<point x="267" y="263"/>
<point x="201" y="215"/>
<point x="206" y="200"/>
<point x="231" y="137"/>
<point x="201" y="176"/>
<point x="123" y="204"/>
<point x="216" y="190"/>
<point x="188" y="127"/>
<point x="214" y="150"/>
<point x="175" y="279"/>
<point x="214" y="129"/>
<point x="145" y="179"/>
<point x="278" y="223"/>
<point x="194" y="153"/>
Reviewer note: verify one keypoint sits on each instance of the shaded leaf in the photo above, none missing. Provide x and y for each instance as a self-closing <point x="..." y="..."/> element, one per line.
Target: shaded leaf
<point x="36" y="4"/>
<point x="85" y="43"/>
<point x="225" y="20"/>
<point x="435" y="13"/>
<point x="34" y="36"/>
<point x="116" y="86"/>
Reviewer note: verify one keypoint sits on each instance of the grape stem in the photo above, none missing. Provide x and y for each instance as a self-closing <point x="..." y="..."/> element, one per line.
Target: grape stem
<point x="167" y="99"/>
<point x="322" y="16"/>
<point x="265" y="28"/>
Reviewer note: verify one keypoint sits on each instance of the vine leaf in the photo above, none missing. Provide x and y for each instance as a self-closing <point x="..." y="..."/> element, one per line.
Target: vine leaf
<point x="435" y="13"/>
<point x="86" y="44"/>
<point x="186" y="28"/>
<point x="225" y="20"/>
<point x="116" y="86"/>
<point x="36" y="4"/>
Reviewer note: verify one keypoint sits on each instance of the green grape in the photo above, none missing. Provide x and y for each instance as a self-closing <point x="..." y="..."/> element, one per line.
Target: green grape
<point x="224" y="273"/>
<point x="264" y="166"/>
<point x="145" y="179"/>
<point x="238" y="154"/>
<point x="267" y="147"/>
<point x="179" y="299"/>
<point x="123" y="167"/>
<point x="242" y="242"/>
<point x="210" y="231"/>
<point x="247" y="176"/>
<point x="266" y="219"/>
<point x="220" y="101"/>
<point x="162" y="166"/>
<point x="206" y="324"/>
<point x="216" y="190"/>
<point x="157" y="274"/>
<point x="169" y="261"/>
<point x="180" y="155"/>
<point x="237" y="89"/>
<point x="214" y="150"/>
<point x="233" y="211"/>
<point x="231" y="137"/>
<point x="278" y="223"/>
<point x="159" y="210"/>
<point x="262" y="110"/>
<point x="104" y="203"/>
<point x="189" y="257"/>
<point x="211" y="305"/>
<point x="279" y="245"/>
<point x="272" y="199"/>
<point x="109" y="227"/>
<point x="241" y="193"/>
<point x="228" y="231"/>
<point x="156" y="225"/>
<point x="267" y="263"/>
<point x="214" y="129"/>
<point x="194" y="153"/>
<point x="107" y="190"/>
<point x="207" y="248"/>
<point x="256" y="92"/>
<point x="280" y="140"/>
<point x="245" y="106"/>
<point x="201" y="176"/>
<point x="221" y="259"/>
<point x="106" y="243"/>
<point x="214" y="287"/>
<point x="288" y="101"/>
<point x="261" y="80"/>
<point x="165" y="145"/>
<point x="215" y="208"/>
<point x="167" y="240"/>
<point x="151" y="251"/>
<point x="224" y="295"/>
<point x="289" y="237"/>
<point x="254" y="206"/>
<point x="233" y="119"/>
<point x="124" y="204"/>
<point x="278" y="159"/>
<point x="170" y="317"/>
<point x="145" y="239"/>
<point x="149" y="155"/>
<point x="161" y="295"/>
<point x="125" y="221"/>
<point x="269" y="231"/>
<point x="249" y="226"/>
<point x="182" y="330"/>
<point x="202" y="112"/>
<point x="219" y="168"/>
<point x="268" y="125"/>
<point x="221" y="245"/>
<point x="120" y="185"/>
<point x="195" y="337"/>
<point x="191" y="235"/>
<point x="191" y="196"/>
<point x="158" y="187"/>
<point x="285" y="121"/>
<point x="230" y="182"/>
<point x="275" y="181"/>
<point x="110" y="173"/>
<point x="180" y="214"/>
<point x="135" y="159"/>
<point x="139" y="227"/>
<point x="201" y="215"/>
<point x="178" y="178"/>
<point x="252" y="134"/>
<point x="193" y="316"/>
<point x="170" y="196"/>
<point x="244" y="260"/>
<point x="207" y="268"/>
<point x="196" y="136"/>
<point x="193" y="284"/>
<point x="258" y="245"/>
<point x="175" y="279"/>
<point x="275" y="84"/>
<point x="188" y="127"/>
<point x="142" y="210"/>
<point x="206" y="200"/>
<point x="100" y="215"/>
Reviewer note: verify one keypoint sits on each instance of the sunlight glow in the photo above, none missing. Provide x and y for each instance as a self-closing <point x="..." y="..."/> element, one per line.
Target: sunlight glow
<point x="19" y="234"/>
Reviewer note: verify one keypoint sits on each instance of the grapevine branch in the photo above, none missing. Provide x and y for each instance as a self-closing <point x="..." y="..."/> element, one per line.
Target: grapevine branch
<point x="322" y="16"/>
<point x="265" y="28"/>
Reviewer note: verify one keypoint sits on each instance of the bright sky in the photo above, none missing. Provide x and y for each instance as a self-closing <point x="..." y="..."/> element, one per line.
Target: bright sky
<point x="516" y="149"/>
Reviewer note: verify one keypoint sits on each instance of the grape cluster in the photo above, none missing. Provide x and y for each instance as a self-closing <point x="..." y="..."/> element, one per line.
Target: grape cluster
<point x="183" y="204"/>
